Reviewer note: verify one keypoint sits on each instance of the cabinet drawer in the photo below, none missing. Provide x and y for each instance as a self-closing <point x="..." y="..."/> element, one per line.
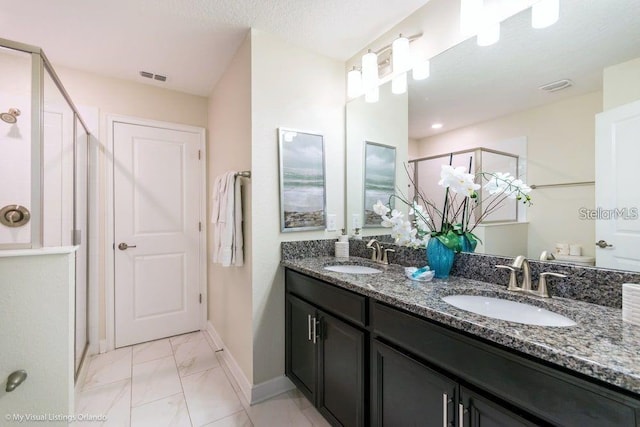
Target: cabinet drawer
<point x="550" y="394"/>
<point x="337" y="301"/>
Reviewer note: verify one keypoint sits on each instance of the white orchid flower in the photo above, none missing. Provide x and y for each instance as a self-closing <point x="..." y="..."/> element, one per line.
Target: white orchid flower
<point x="521" y="186"/>
<point x="381" y="209"/>
<point x="499" y="183"/>
<point x="457" y="180"/>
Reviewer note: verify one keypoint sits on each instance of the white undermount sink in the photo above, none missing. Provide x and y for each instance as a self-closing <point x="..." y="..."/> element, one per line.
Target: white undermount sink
<point x="512" y="311"/>
<point x="352" y="269"/>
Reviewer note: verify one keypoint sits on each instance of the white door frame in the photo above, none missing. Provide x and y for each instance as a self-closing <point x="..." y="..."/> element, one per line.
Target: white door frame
<point x="109" y="224"/>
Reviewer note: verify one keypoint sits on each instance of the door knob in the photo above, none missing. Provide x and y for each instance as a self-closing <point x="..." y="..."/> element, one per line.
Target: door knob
<point x="15" y="379"/>
<point x="603" y="244"/>
<point x="123" y="246"/>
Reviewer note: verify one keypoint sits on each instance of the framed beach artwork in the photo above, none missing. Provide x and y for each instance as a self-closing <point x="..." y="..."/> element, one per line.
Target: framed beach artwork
<point x="379" y="179"/>
<point x="302" y="181"/>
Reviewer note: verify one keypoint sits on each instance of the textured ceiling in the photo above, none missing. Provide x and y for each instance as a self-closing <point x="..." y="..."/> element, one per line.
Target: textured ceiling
<point x="190" y="41"/>
<point x="470" y="84"/>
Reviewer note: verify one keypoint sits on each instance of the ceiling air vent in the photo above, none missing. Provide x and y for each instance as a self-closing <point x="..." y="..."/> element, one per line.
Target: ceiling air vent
<point x="556" y="86"/>
<point x="149" y="75"/>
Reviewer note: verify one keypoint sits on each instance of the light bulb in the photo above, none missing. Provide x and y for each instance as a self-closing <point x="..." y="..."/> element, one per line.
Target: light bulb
<point x="421" y="70"/>
<point x="354" y="83"/>
<point x="369" y="71"/>
<point x="470" y="11"/>
<point x="545" y="13"/>
<point x="399" y="84"/>
<point x="400" y="55"/>
<point x="489" y="34"/>
<point x="372" y="95"/>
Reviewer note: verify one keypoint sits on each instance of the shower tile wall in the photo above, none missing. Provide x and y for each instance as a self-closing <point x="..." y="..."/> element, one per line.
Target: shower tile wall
<point x="15" y="153"/>
<point x="15" y="140"/>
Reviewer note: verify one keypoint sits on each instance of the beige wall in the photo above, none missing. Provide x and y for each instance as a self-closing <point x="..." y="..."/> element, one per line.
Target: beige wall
<point x="561" y="148"/>
<point x="116" y="96"/>
<point x="230" y="289"/>
<point x="621" y="84"/>
<point x="296" y="89"/>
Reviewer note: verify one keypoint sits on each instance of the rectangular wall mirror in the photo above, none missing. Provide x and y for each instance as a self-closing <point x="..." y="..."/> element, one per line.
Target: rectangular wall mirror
<point x="494" y="97"/>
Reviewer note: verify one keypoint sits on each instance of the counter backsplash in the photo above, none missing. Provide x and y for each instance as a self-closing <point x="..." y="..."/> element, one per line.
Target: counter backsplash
<point x="589" y="284"/>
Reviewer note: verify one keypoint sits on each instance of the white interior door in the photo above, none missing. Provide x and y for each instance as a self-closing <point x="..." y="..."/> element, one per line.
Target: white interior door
<point x="617" y="191"/>
<point x="157" y="191"/>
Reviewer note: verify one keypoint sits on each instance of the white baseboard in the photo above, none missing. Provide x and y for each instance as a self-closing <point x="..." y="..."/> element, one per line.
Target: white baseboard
<point x="103" y="346"/>
<point x="252" y="393"/>
<point x="271" y="388"/>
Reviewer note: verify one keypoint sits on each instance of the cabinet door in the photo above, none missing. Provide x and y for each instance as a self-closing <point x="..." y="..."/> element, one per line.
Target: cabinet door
<point x="341" y="376"/>
<point x="301" y="354"/>
<point x="479" y="411"/>
<point x="404" y="392"/>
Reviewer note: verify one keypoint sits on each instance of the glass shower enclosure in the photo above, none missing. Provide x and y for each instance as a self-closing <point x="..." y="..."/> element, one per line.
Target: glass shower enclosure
<point x="44" y="168"/>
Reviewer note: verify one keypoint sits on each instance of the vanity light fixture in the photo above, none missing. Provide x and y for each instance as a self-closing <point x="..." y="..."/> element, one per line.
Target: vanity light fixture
<point x="421" y="69"/>
<point x="400" y="55"/>
<point x="545" y="13"/>
<point x="400" y="62"/>
<point x="394" y="62"/>
<point x="369" y="71"/>
<point x="489" y="26"/>
<point x="489" y="34"/>
<point x="354" y="83"/>
<point x="372" y="95"/>
<point x="399" y="83"/>
<point x="470" y="10"/>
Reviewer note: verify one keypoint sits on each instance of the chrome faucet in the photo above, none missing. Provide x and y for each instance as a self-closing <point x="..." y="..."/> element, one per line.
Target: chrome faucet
<point x="378" y="253"/>
<point x="521" y="264"/>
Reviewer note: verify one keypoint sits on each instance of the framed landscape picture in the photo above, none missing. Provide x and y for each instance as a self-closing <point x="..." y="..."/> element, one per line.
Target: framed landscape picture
<point x="379" y="179"/>
<point x="302" y="180"/>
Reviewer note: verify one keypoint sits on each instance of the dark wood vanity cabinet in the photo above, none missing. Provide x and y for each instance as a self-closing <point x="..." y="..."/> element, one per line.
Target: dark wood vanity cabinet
<point x="363" y="362"/>
<point x="406" y="392"/>
<point x="507" y="386"/>
<point x="325" y="352"/>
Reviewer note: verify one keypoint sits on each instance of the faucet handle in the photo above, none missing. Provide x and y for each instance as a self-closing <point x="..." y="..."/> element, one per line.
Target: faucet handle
<point x="542" y="283"/>
<point x="385" y="258"/>
<point x="513" y="279"/>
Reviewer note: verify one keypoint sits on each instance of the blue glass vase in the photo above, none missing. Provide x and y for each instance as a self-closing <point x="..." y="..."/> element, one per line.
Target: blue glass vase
<point x="466" y="245"/>
<point x="439" y="258"/>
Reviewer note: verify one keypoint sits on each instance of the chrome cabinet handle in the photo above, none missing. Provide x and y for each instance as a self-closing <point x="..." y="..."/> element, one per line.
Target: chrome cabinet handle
<point x="123" y="246"/>
<point x="461" y="411"/>
<point x="309" y="327"/>
<point x="603" y="244"/>
<point x="445" y="410"/>
<point x="15" y="379"/>
<point x="315" y="331"/>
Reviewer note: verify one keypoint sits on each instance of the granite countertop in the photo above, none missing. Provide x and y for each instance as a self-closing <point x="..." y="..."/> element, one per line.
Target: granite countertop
<point x="600" y="346"/>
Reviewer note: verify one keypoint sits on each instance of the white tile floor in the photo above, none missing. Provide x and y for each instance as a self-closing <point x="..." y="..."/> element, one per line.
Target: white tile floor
<point x="179" y="381"/>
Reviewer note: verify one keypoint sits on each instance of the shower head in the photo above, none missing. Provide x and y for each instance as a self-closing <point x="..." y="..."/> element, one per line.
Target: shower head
<point x="10" y="117"/>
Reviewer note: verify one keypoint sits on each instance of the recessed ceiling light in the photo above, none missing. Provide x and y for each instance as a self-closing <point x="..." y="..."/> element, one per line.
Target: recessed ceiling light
<point x="436" y="126"/>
